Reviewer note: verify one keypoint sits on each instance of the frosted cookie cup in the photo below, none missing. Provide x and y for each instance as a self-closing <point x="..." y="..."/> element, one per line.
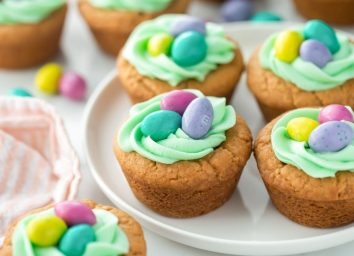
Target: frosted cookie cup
<point x="175" y="52"/>
<point x="171" y="166"/>
<point x="111" y="22"/>
<point x="30" y="31"/>
<point x="306" y="162"/>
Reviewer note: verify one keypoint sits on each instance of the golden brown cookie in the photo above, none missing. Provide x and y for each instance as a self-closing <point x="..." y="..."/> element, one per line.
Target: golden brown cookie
<point x="131" y="228"/>
<point x="111" y="28"/>
<point x="339" y="12"/>
<point x="27" y="45"/>
<point x="276" y="95"/>
<point x="220" y="82"/>
<point x="314" y="202"/>
<point x="189" y="188"/>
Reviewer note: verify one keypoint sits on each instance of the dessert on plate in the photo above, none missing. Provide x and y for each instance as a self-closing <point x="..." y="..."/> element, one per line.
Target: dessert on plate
<point x="305" y="158"/>
<point x="112" y="21"/>
<point x="174" y="52"/>
<point x="305" y="66"/>
<point x="73" y="228"/>
<point x="182" y="152"/>
<point x="30" y="31"/>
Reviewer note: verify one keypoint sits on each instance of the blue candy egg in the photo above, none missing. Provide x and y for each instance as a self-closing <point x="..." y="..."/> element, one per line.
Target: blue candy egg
<point x="331" y="136"/>
<point x="237" y="10"/>
<point x="188" y="24"/>
<point x="19" y="92"/>
<point x="198" y="118"/>
<point x="321" y="31"/>
<point x="315" y="52"/>
<point x="75" y="240"/>
<point x="265" y="16"/>
<point x="189" y="48"/>
<point x="160" y="124"/>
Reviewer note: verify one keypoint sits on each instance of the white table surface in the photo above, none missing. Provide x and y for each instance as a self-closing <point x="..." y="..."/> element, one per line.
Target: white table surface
<point x="79" y="53"/>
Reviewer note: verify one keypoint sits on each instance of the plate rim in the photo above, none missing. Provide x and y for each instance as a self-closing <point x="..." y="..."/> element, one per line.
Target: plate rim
<point x="250" y="247"/>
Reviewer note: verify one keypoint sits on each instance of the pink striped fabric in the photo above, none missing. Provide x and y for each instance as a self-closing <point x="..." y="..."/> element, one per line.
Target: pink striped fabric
<point x="37" y="162"/>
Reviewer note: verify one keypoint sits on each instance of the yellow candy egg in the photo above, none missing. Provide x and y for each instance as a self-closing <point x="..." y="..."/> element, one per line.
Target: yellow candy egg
<point x="300" y="128"/>
<point x="287" y="45"/>
<point x="159" y="44"/>
<point x="46" y="230"/>
<point x="48" y="77"/>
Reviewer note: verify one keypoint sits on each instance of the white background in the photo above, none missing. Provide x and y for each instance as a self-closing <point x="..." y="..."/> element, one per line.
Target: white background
<point x="79" y="53"/>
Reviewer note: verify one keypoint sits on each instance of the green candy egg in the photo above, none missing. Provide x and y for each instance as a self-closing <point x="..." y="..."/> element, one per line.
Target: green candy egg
<point x="75" y="240"/>
<point x="160" y="124"/>
<point x="266" y="17"/>
<point x="189" y="48"/>
<point x="45" y="230"/>
<point x="19" y="92"/>
<point x="159" y="44"/>
<point x="321" y="31"/>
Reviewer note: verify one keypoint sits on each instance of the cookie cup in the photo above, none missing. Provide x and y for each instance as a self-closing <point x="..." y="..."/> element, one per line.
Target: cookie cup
<point x="111" y="28"/>
<point x="314" y="202"/>
<point x="220" y="83"/>
<point x="27" y="45"/>
<point x="131" y="228"/>
<point x="189" y="188"/>
<point x="339" y="12"/>
<point x="276" y="95"/>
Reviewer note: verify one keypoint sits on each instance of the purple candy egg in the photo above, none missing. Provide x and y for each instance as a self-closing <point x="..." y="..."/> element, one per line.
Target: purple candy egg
<point x="335" y="112"/>
<point x="73" y="86"/>
<point x="187" y="24"/>
<point x="237" y="10"/>
<point x="198" y="118"/>
<point x="331" y="136"/>
<point x="177" y="101"/>
<point x="74" y="213"/>
<point x="315" y="52"/>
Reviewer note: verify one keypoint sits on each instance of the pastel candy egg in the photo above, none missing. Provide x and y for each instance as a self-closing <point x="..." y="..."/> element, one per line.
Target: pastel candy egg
<point x="160" y="124"/>
<point x="177" y="101"/>
<point x="315" y="52"/>
<point x="300" y="128"/>
<point x="331" y="136"/>
<point x="236" y="10"/>
<point x="74" y="213"/>
<point x="187" y="24"/>
<point x="76" y="239"/>
<point x="198" y="118"/>
<point x="266" y="17"/>
<point x="335" y="112"/>
<point x="189" y="48"/>
<point x="45" y="230"/>
<point x="73" y="86"/>
<point x="159" y="44"/>
<point x="19" y="92"/>
<point x="47" y="78"/>
<point x="321" y="31"/>
<point x="287" y="46"/>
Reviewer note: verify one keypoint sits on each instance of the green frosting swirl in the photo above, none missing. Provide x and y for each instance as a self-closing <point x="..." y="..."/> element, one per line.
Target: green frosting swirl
<point x="178" y="146"/>
<point x="220" y="51"/>
<point x="27" y="11"/>
<point x="110" y="239"/>
<point x="132" y="5"/>
<point x="299" y="154"/>
<point x="308" y="76"/>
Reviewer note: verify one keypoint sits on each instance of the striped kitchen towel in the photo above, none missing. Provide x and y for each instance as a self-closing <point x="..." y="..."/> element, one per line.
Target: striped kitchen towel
<point x="37" y="163"/>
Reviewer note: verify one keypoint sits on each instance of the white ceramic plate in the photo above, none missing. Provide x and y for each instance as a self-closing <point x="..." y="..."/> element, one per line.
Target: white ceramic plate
<point x="248" y="223"/>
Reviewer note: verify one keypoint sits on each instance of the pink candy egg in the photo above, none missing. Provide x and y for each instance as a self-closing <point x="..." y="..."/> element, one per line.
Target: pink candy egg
<point x="74" y="213"/>
<point x="335" y="112"/>
<point x="73" y="86"/>
<point x="177" y="101"/>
